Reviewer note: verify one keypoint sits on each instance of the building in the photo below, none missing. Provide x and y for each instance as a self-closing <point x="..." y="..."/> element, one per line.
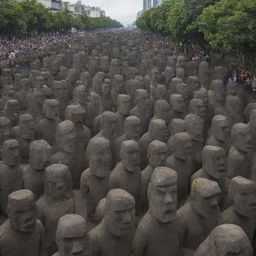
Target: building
<point x="147" y="4"/>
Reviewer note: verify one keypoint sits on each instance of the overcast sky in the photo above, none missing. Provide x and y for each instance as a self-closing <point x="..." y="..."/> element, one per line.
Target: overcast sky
<point x="124" y="11"/>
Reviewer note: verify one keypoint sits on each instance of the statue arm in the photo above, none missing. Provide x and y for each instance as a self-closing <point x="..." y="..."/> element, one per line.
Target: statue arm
<point x="140" y="242"/>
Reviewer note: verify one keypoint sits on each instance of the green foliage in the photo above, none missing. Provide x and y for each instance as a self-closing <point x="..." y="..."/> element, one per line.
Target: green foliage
<point x="29" y="15"/>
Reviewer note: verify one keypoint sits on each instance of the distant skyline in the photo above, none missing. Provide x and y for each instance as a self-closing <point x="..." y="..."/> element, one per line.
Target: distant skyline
<point x="125" y="11"/>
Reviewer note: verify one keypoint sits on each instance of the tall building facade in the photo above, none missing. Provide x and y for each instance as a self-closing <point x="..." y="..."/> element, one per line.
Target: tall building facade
<point x="147" y="4"/>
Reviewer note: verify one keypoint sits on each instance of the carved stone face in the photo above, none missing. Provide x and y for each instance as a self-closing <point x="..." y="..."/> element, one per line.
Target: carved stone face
<point x="22" y="211"/>
<point x="109" y="124"/>
<point x="27" y="127"/>
<point x="75" y="113"/>
<point x="197" y="107"/>
<point x="106" y="90"/>
<point x="51" y="109"/>
<point x="57" y="181"/>
<point x="120" y="213"/>
<point x="241" y="137"/>
<point x="193" y="84"/>
<point x="214" y="161"/>
<point x="11" y="153"/>
<point x="244" y="197"/>
<point x="5" y="129"/>
<point x="177" y="103"/>
<point x="71" y="236"/>
<point x="157" y="153"/>
<point x="195" y="127"/>
<point x="162" y="194"/>
<point x="133" y="128"/>
<point x="130" y="155"/>
<point x="124" y="104"/>
<point x="39" y="154"/>
<point x="155" y="75"/>
<point x="182" y="145"/>
<point x="205" y="194"/>
<point x="100" y="157"/>
<point x="65" y="136"/>
<point x="221" y="129"/>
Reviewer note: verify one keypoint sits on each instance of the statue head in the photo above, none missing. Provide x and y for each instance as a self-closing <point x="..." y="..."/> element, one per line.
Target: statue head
<point x="193" y="84"/>
<point x="26" y="126"/>
<point x="162" y="110"/>
<point x="12" y="111"/>
<point x="71" y="236"/>
<point x="58" y="182"/>
<point x="173" y="85"/>
<point x="177" y="103"/>
<point x="109" y="124"/>
<point x="132" y="128"/>
<point x="241" y="137"/>
<point x="197" y="107"/>
<point x="65" y="136"/>
<point x="75" y="113"/>
<point x="155" y="75"/>
<point x="158" y="130"/>
<point x="219" y="90"/>
<point x="118" y="84"/>
<point x="39" y="154"/>
<point x="141" y="99"/>
<point x="162" y="194"/>
<point x="124" y="104"/>
<point x="204" y="195"/>
<point x="220" y="128"/>
<point x="51" y="109"/>
<point x="100" y="158"/>
<point x="244" y="196"/>
<point x="195" y="127"/>
<point x="214" y="161"/>
<point x="202" y="94"/>
<point x="97" y="82"/>
<point x="21" y="211"/>
<point x="157" y="153"/>
<point x="130" y="155"/>
<point x="119" y="213"/>
<point x="161" y="92"/>
<point x="182" y="145"/>
<point x="80" y="94"/>
<point x="177" y="125"/>
<point x="11" y="153"/>
<point x="5" y="129"/>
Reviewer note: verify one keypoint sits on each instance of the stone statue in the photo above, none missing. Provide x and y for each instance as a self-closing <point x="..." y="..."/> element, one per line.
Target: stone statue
<point x="178" y="107"/>
<point x="157" y="155"/>
<point x="11" y="177"/>
<point x="22" y="234"/>
<point x="5" y="131"/>
<point x="193" y="85"/>
<point x="12" y="111"/>
<point x="239" y="162"/>
<point x="157" y="233"/>
<point x="242" y="212"/>
<point x="25" y="134"/>
<point x="219" y="133"/>
<point x="227" y="239"/>
<point x="247" y="112"/>
<point x="162" y="111"/>
<point x="172" y="87"/>
<point x="141" y="109"/>
<point x="117" y="88"/>
<point x="113" y="236"/>
<point x="106" y="103"/>
<point x="39" y="158"/>
<point x="94" y="180"/>
<point x="197" y="107"/>
<point x="200" y="214"/>
<point x="213" y="168"/>
<point x="72" y="237"/>
<point x="181" y="162"/>
<point x="47" y="126"/>
<point x="204" y="74"/>
<point x="56" y="202"/>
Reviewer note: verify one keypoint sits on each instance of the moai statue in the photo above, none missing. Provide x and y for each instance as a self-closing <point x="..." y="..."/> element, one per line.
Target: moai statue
<point x="80" y="97"/>
<point x="157" y="130"/>
<point x="106" y="103"/>
<point x="5" y="131"/>
<point x="155" y="76"/>
<point x="172" y="86"/>
<point x="204" y="74"/>
<point x="197" y="107"/>
<point x="219" y="133"/>
<point x="124" y="106"/>
<point x="61" y="93"/>
<point x="94" y="181"/>
<point x="234" y="110"/>
<point x="226" y="239"/>
<point x="178" y="106"/>
<point x="182" y="89"/>
<point x="56" y="201"/>
<point x="22" y="234"/>
<point x="72" y="237"/>
<point x="11" y="176"/>
<point x="162" y="111"/>
<point x="181" y="162"/>
<point x="213" y="168"/>
<point x="132" y="131"/>
<point x="12" y="111"/>
<point x="199" y="216"/>
<point x="127" y="173"/>
<point x="46" y="127"/>
<point x="195" y="128"/>
<point x="177" y="125"/>
<point x="216" y="98"/>
<point x="35" y="104"/>
<point x="86" y="80"/>
<point x="157" y="155"/>
<point x="168" y="74"/>
<point x="247" y="112"/>
<point x="113" y="236"/>
<point x="242" y="212"/>
<point x="161" y="93"/>
<point x="157" y="233"/>
<point x="193" y="85"/>
<point x="117" y="88"/>
<point x="39" y="158"/>
<point x="25" y="134"/>
<point x="67" y="150"/>
<point x="142" y="108"/>
<point x="239" y="162"/>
